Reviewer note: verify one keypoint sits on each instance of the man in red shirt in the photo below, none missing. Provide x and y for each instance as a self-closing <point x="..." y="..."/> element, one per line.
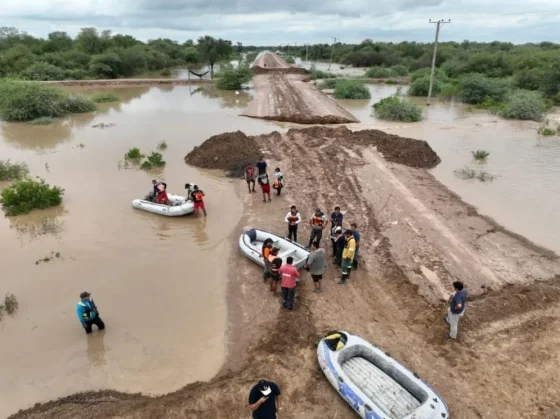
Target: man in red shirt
<point x="289" y="275"/>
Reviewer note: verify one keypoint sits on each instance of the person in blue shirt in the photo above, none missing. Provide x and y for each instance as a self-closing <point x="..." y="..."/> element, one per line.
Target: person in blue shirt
<point x="87" y="313"/>
<point x="261" y="165"/>
<point x="457" y="303"/>
<point x="357" y="237"/>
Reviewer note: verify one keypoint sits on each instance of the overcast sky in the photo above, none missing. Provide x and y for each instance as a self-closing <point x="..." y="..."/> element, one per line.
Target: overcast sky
<point x="273" y="22"/>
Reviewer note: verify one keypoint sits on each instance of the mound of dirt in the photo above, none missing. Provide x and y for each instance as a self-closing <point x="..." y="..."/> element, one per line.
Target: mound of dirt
<point x="230" y="152"/>
<point x="407" y="151"/>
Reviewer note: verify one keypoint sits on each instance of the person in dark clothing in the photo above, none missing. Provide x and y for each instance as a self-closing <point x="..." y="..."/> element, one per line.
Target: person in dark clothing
<point x="337" y="217"/>
<point x="357" y="237"/>
<point x="317" y="223"/>
<point x="275" y="266"/>
<point x="88" y="314"/>
<point x="266" y="250"/>
<point x="264" y="400"/>
<point x="339" y="244"/>
<point x="261" y="165"/>
<point x="293" y="218"/>
<point x="457" y="305"/>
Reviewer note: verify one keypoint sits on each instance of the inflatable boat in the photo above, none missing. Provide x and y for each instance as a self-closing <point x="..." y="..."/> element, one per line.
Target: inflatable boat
<point x="373" y="383"/>
<point x="178" y="206"/>
<point x="251" y="242"/>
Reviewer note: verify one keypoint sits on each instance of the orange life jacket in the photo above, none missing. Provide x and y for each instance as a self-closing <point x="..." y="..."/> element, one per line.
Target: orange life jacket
<point x="293" y="218"/>
<point x="266" y="252"/>
<point x="317" y="221"/>
<point x="276" y="184"/>
<point x="198" y="196"/>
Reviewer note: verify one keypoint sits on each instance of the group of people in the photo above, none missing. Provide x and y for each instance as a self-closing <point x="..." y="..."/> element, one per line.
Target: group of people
<point x="257" y="173"/>
<point x="158" y="195"/>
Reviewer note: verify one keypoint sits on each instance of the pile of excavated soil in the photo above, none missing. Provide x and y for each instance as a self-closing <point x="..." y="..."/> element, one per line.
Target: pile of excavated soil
<point x="407" y="151"/>
<point x="230" y="152"/>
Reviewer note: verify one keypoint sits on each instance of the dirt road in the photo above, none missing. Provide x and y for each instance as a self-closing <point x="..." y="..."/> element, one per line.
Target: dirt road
<point x="417" y="237"/>
<point x="288" y="98"/>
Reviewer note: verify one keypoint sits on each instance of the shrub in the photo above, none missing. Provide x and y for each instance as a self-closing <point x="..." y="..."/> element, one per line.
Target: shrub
<point x="233" y="78"/>
<point x="290" y="60"/>
<point x="165" y="73"/>
<point x="319" y="74"/>
<point x="162" y="145"/>
<point x="396" y="109"/>
<point x="103" y="97"/>
<point x="155" y="159"/>
<point x="43" y="71"/>
<point x="439" y="74"/>
<point x="12" y="171"/>
<point x="480" y="154"/>
<point x="76" y="103"/>
<point x="24" y="101"/>
<point x="399" y="70"/>
<point x="525" y="105"/>
<point x="378" y="73"/>
<point x="421" y="86"/>
<point x="27" y="194"/>
<point x="42" y="121"/>
<point x="351" y="89"/>
<point x="477" y="88"/>
<point x="10" y="303"/>
<point x="133" y="154"/>
<point x="328" y="84"/>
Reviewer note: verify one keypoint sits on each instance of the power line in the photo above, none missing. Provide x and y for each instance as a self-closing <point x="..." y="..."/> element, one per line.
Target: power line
<point x="438" y="24"/>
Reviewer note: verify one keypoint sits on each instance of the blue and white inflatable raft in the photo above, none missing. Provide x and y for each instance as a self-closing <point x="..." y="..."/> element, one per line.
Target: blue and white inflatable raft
<point x="373" y="383"/>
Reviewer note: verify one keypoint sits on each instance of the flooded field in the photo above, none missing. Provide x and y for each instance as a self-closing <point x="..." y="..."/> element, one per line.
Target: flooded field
<point x="149" y="275"/>
<point x="526" y="165"/>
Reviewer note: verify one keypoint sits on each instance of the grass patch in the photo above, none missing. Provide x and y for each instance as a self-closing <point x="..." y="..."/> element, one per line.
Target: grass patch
<point x="27" y="194"/>
<point x="470" y="173"/>
<point x="12" y="171"/>
<point x="162" y="145"/>
<point x="104" y="97"/>
<point x="480" y="154"/>
<point x="351" y="89"/>
<point x="45" y="120"/>
<point x="79" y="104"/>
<point x="396" y="109"/>
<point x="133" y="154"/>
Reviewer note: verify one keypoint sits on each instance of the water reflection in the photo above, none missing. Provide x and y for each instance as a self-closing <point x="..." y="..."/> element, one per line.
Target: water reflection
<point x="96" y="348"/>
<point x="228" y="98"/>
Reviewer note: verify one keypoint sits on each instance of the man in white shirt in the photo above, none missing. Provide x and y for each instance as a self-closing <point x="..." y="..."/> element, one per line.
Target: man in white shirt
<point x="293" y="218"/>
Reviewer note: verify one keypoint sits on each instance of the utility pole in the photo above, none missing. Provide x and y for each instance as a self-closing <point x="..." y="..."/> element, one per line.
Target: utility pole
<point x="332" y="53"/>
<point x="306" y="52"/>
<point x="438" y="24"/>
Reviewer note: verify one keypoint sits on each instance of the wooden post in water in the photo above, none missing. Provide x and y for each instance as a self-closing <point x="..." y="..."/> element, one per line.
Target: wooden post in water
<point x="332" y="53"/>
<point x="438" y="23"/>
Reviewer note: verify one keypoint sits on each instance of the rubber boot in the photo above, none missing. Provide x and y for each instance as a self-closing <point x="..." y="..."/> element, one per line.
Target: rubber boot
<point x="343" y="279"/>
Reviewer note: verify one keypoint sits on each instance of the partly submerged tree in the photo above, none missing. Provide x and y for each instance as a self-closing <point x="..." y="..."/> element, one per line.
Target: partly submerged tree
<point x="211" y="50"/>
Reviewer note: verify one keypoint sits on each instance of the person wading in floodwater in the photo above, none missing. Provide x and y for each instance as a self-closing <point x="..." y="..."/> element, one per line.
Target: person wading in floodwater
<point x="88" y="314"/>
<point x="197" y="196"/>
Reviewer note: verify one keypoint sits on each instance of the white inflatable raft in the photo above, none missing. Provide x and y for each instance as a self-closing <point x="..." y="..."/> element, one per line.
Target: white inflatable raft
<point x="253" y="248"/>
<point x="178" y="206"/>
<point x="374" y="384"/>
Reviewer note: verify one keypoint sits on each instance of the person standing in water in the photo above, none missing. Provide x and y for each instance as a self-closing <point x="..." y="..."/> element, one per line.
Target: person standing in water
<point x="250" y="176"/>
<point x="265" y="186"/>
<point x="293" y="218"/>
<point x="88" y="314"/>
<point x="197" y="196"/>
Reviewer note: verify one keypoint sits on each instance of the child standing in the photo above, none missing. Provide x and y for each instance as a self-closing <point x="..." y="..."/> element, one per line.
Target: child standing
<point x="265" y="186"/>
<point x="278" y="181"/>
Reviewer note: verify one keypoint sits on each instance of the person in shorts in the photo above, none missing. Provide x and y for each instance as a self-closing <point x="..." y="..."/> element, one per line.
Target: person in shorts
<point x="275" y="265"/>
<point x="316" y="264"/>
<point x="197" y="196"/>
<point x="250" y="176"/>
<point x="265" y="186"/>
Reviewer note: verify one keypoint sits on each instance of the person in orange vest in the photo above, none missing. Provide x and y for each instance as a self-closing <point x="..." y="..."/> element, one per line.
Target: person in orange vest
<point x="197" y="197"/>
<point x="266" y="249"/>
<point x="278" y="181"/>
<point x="275" y="264"/>
<point x="293" y="218"/>
<point x="318" y="223"/>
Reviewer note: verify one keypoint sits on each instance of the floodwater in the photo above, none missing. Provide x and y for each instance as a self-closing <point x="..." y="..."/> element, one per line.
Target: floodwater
<point x="332" y="68"/>
<point x="525" y="194"/>
<point x="160" y="283"/>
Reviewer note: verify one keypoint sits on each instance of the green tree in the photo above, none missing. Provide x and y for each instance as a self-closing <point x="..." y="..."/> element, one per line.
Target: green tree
<point x="212" y="50"/>
<point x="58" y="41"/>
<point x="89" y="41"/>
<point x="106" y="65"/>
<point x="125" y="41"/>
<point x="190" y="54"/>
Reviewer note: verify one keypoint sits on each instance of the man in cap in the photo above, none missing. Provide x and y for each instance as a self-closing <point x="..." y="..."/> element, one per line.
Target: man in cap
<point x="264" y="400"/>
<point x="88" y="313"/>
<point x="347" y="255"/>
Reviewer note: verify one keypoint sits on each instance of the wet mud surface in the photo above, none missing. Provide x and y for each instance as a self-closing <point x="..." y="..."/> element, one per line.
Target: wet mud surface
<point x="417" y="238"/>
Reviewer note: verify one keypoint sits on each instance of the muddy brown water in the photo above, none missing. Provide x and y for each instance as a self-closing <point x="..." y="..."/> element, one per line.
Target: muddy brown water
<point x="159" y="282"/>
<point x="524" y="196"/>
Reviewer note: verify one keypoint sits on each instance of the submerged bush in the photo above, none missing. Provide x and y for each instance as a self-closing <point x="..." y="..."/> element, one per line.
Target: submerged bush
<point x="165" y="73"/>
<point x="399" y="70"/>
<point x="10" y="303"/>
<point x="351" y="89"/>
<point x="439" y="74"/>
<point x="328" y="84"/>
<point x="155" y="159"/>
<point x="378" y="73"/>
<point x="12" y="171"/>
<point x="396" y="109"/>
<point x="525" y="105"/>
<point x="315" y="74"/>
<point x="233" y="78"/>
<point x="133" y="154"/>
<point x="290" y="60"/>
<point x="76" y="103"/>
<point x="103" y="97"/>
<point x="547" y="130"/>
<point x="476" y="88"/>
<point x="480" y="154"/>
<point x="27" y="194"/>
<point x="421" y="87"/>
<point x="43" y="71"/>
<point x="469" y="173"/>
<point x="25" y="101"/>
